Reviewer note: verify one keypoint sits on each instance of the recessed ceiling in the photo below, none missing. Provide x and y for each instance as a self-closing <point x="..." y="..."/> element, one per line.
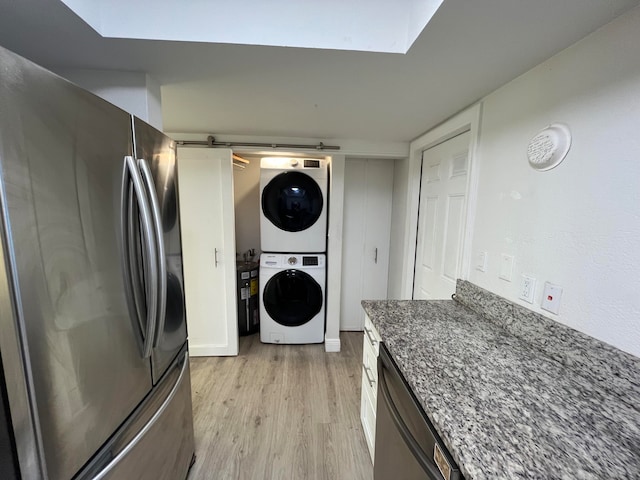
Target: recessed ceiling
<point x="468" y="49"/>
<point x="366" y="25"/>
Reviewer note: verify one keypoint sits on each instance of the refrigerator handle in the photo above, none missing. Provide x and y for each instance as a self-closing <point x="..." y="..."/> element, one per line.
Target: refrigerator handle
<point x="140" y="435"/>
<point x="150" y="244"/>
<point x="162" y="265"/>
<point x="137" y="279"/>
<point x="126" y="213"/>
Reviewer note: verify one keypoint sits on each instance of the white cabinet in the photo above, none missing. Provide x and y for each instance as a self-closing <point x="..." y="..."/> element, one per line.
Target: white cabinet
<point x="205" y="186"/>
<point x="369" y="394"/>
<point x="368" y="194"/>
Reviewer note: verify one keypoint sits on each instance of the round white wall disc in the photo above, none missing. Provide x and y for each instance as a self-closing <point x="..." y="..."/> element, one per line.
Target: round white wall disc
<point x="549" y="147"/>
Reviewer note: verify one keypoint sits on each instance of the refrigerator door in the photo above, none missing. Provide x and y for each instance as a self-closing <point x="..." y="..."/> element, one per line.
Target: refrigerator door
<point x="156" y="155"/>
<point x="62" y="161"/>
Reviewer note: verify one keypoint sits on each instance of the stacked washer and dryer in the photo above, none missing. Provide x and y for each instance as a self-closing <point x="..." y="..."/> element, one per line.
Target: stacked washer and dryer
<point x="293" y="239"/>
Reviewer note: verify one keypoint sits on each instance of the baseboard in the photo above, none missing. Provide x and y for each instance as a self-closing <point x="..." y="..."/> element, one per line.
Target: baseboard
<point x="211" y="351"/>
<point x="352" y="329"/>
<point x="331" y="344"/>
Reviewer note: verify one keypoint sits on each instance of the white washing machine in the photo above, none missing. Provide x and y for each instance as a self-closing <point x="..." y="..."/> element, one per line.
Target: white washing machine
<point x="293" y="205"/>
<point x="292" y="298"/>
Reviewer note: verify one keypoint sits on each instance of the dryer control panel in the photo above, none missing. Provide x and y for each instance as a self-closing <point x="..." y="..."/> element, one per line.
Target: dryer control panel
<point x="288" y="163"/>
<point x="310" y="261"/>
<point x="285" y="260"/>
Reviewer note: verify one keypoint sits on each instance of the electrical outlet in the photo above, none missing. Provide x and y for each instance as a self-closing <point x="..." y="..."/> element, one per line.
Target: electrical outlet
<point x="527" y="288"/>
<point x="551" y="297"/>
<point x="482" y="262"/>
<point x="506" y="267"/>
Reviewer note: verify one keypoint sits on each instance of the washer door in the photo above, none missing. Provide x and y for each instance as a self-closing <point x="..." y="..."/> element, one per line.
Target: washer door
<point x="292" y="201"/>
<point x="292" y="298"/>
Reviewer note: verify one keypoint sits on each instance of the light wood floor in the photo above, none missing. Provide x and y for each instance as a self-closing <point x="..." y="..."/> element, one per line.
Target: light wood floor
<point x="280" y="412"/>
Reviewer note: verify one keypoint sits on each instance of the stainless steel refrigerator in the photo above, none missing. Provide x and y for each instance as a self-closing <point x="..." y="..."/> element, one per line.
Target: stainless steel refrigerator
<point x="95" y="370"/>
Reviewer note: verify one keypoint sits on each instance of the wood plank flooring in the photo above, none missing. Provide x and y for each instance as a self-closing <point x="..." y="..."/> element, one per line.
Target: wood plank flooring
<point x="280" y="412"/>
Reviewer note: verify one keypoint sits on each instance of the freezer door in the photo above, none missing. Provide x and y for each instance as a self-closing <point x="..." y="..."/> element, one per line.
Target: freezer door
<point x="62" y="161"/>
<point x="157" y="441"/>
<point x="156" y="154"/>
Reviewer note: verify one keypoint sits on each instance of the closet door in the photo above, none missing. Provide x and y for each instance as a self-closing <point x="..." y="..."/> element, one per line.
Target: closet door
<point x="205" y="181"/>
<point x="368" y="193"/>
<point x="441" y="218"/>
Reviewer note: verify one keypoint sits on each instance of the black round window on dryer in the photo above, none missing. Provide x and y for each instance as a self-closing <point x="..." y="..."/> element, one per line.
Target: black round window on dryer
<point x="292" y="201"/>
<point x="292" y="298"/>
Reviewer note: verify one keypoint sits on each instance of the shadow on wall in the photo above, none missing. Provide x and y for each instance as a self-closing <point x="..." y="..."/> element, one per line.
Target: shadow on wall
<point x="246" y="189"/>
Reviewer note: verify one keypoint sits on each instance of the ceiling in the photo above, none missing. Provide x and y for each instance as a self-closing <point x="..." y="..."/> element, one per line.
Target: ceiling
<point x="468" y="49"/>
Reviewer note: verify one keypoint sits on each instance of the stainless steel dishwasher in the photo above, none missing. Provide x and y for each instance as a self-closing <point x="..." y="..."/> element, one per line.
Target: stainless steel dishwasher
<point x="407" y="444"/>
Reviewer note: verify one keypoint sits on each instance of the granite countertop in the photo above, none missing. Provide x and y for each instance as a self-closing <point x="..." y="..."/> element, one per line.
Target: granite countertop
<point x="504" y="408"/>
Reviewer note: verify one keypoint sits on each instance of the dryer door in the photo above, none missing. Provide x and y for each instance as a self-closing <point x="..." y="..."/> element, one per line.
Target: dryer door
<point x="292" y="201"/>
<point x="292" y="298"/>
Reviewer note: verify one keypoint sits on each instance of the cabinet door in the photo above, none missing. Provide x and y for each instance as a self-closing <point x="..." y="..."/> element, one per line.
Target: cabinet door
<point x="368" y="195"/>
<point x="208" y="249"/>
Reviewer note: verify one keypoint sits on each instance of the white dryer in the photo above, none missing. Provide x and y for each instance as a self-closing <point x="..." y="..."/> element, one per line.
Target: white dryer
<point x="292" y="298"/>
<point x="293" y="205"/>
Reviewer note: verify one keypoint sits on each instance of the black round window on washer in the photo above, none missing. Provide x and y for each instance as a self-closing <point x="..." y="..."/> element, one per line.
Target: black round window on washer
<point x="292" y="298"/>
<point x="292" y="201"/>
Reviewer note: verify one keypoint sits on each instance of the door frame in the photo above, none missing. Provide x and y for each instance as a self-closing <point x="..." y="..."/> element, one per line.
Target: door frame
<point x="467" y="120"/>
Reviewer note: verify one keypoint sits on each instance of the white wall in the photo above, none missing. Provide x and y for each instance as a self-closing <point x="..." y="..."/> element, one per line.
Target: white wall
<point x="246" y="196"/>
<point x="134" y="92"/>
<point x="577" y="225"/>
<point x="398" y="227"/>
<point x="334" y="252"/>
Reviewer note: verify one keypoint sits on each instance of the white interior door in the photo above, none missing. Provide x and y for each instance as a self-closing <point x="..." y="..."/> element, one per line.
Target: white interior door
<point x="368" y="194"/>
<point x="205" y="181"/>
<point x="441" y="218"/>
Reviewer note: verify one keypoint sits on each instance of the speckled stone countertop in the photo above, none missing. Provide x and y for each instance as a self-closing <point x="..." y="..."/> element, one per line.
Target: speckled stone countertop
<point x="505" y="408"/>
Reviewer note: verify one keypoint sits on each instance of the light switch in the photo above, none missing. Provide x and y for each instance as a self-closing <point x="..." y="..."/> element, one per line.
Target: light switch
<point x="551" y="297"/>
<point x="506" y="267"/>
<point x="481" y="264"/>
